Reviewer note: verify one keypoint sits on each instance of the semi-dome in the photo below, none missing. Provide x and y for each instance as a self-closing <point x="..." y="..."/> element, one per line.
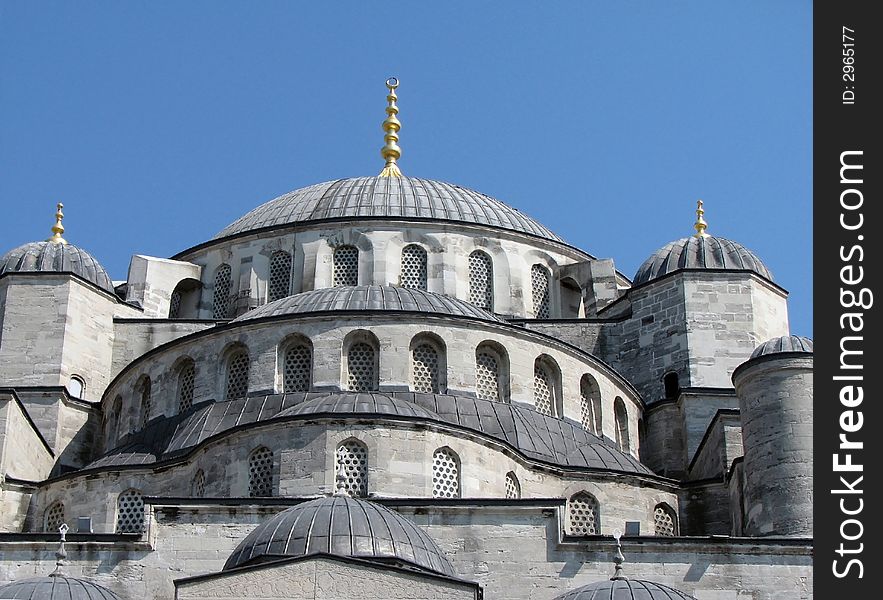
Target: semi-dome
<point x="624" y="589"/>
<point x="703" y="252"/>
<point x="389" y="198"/>
<point x="784" y="345"/>
<point x="56" y="587"/>
<point x="54" y="257"/>
<point x="341" y="526"/>
<point x="368" y="297"/>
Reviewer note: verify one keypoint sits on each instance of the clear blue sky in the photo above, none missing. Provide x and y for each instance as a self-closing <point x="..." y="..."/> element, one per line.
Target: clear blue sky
<point x="158" y="123"/>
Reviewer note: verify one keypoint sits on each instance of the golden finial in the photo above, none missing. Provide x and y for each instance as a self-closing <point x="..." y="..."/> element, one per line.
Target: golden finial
<point x="58" y="228"/>
<point x="700" y="224"/>
<point x="391" y="151"/>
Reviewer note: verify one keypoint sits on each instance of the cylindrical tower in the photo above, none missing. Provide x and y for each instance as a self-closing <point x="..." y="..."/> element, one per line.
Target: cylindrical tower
<point x="775" y="397"/>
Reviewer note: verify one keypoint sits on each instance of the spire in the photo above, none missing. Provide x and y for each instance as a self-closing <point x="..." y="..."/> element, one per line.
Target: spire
<point x="391" y="151"/>
<point x="58" y="228"/>
<point x="60" y="554"/>
<point x="700" y="225"/>
<point x="618" y="559"/>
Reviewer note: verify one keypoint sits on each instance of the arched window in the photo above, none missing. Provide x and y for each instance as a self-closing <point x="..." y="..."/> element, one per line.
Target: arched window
<point x="413" y="267"/>
<point x="76" y="387"/>
<point x="351" y="462"/>
<point x="198" y="490"/>
<point x="297" y="367"/>
<point x="361" y="365"/>
<point x="513" y="488"/>
<point x="539" y="283"/>
<point x="238" y="365"/>
<point x="583" y="516"/>
<point x="481" y="280"/>
<point x="427" y="365"/>
<point x="622" y="424"/>
<point x="144" y="394"/>
<point x="54" y="516"/>
<point x="491" y="370"/>
<point x="671" y="384"/>
<point x="445" y="474"/>
<point x="175" y="304"/>
<point x="590" y="404"/>
<point x="130" y="512"/>
<point x="186" y="382"/>
<point x="260" y="472"/>
<point x="345" y="266"/>
<point x="665" y="521"/>
<point x="221" y="294"/>
<point x="116" y="415"/>
<point x="547" y="386"/>
<point x="279" y="281"/>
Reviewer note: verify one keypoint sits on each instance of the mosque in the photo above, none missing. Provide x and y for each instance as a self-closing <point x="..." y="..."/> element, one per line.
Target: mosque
<point x="398" y="388"/>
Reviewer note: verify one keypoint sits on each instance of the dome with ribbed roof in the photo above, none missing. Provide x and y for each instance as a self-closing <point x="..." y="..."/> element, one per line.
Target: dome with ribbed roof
<point x="389" y="198"/>
<point x="53" y="257"/>
<point x="341" y="526"/>
<point x="56" y="587"/>
<point x="368" y="297"/>
<point x="786" y="344"/>
<point x="706" y="252"/>
<point x="624" y="589"/>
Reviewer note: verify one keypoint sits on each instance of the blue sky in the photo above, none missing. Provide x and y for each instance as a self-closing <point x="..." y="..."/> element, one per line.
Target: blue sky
<point x="159" y="123"/>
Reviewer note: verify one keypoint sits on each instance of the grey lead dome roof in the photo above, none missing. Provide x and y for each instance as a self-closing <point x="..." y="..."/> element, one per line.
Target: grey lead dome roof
<point x="342" y="526"/>
<point x="386" y="197"/>
<point x="52" y="257"/>
<point x="624" y="589"/>
<point x="707" y="252"/>
<point x="368" y="297"/>
<point x="784" y="344"/>
<point x="56" y="588"/>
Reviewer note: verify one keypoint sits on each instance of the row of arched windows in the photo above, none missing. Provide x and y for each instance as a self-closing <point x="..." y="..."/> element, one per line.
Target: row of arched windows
<point x="584" y="517"/>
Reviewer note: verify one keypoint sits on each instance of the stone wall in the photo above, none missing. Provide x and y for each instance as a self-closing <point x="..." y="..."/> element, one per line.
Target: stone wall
<point x="721" y="445"/>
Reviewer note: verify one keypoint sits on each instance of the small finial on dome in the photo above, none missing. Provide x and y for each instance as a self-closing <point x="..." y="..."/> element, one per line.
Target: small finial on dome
<point x="58" y="228"/>
<point x="700" y="224"/>
<point x="391" y="151"/>
<point x="618" y="559"/>
<point x="60" y="554"/>
<point x="340" y="482"/>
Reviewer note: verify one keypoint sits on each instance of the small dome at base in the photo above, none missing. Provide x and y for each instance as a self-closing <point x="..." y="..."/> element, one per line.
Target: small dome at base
<point x="52" y="257"/>
<point x="707" y="252"/>
<point x="616" y="589"/>
<point x="783" y="345"/>
<point x="56" y="588"/>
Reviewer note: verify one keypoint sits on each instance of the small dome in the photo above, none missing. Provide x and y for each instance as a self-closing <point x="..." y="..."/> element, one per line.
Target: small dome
<point x="616" y="589"/>
<point x="359" y="403"/>
<point x="368" y="297"/>
<point x="706" y="252"/>
<point x="783" y="345"/>
<point x="52" y="257"/>
<point x="56" y="588"/>
<point x="341" y="526"/>
<point x="389" y="198"/>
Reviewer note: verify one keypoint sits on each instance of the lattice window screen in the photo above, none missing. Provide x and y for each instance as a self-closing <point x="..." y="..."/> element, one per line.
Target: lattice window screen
<point x="481" y="277"/>
<point x="260" y="473"/>
<point x="145" y="402"/>
<point x="664" y="521"/>
<point x="221" y="294"/>
<point x="199" y="484"/>
<point x="445" y="474"/>
<point x="352" y="458"/>
<point x="175" y="305"/>
<point x="424" y="363"/>
<point x="297" y="369"/>
<point x="539" y="280"/>
<point x="513" y="488"/>
<point x="279" y="282"/>
<point x="186" y="381"/>
<point x="582" y="514"/>
<point x="361" y="370"/>
<point x="487" y="376"/>
<point x="54" y="517"/>
<point x="414" y="267"/>
<point x="237" y="375"/>
<point x="542" y="390"/>
<point x="587" y="405"/>
<point x="130" y="512"/>
<point x="346" y="266"/>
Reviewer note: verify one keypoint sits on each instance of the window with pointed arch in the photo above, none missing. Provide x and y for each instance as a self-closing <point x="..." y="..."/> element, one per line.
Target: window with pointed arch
<point x="414" y="272"/>
<point x="445" y="473"/>
<point x="186" y="384"/>
<point x="590" y="404"/>
<point x="583" y="515"/>
<point x="351" y="463"/>
<point x="428" y="364"/>
<point x="513" y="487"/>
<point x="198" y="487"/>
<point x="361" y="364"/>
<point x="260" y="472"/>
<point x="481" y="280"/>
<point x="539" y="283"/>
<point x="236" y="376"/>
<point x="114" y="421"/>
<point x="345" y="266"/>
<point x="297" y="366"/>
<point x="665" y="520"/>
<point x="279" y="278"/>
<point x="221" y="294"/>
<point x="491" y="372"/>
<point x="54" y="516"/>
<point x="622" y="425"/>
<point x="547" y="386"/>
<point x="130" y="512"/>
<point x="143" y="391"/>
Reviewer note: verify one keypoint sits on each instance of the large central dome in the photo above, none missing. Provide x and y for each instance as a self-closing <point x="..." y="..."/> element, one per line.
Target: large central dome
<point x="396" y="198"/>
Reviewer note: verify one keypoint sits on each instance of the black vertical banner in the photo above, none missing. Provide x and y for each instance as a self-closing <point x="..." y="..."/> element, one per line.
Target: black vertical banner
<point x="848" y="378"/>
